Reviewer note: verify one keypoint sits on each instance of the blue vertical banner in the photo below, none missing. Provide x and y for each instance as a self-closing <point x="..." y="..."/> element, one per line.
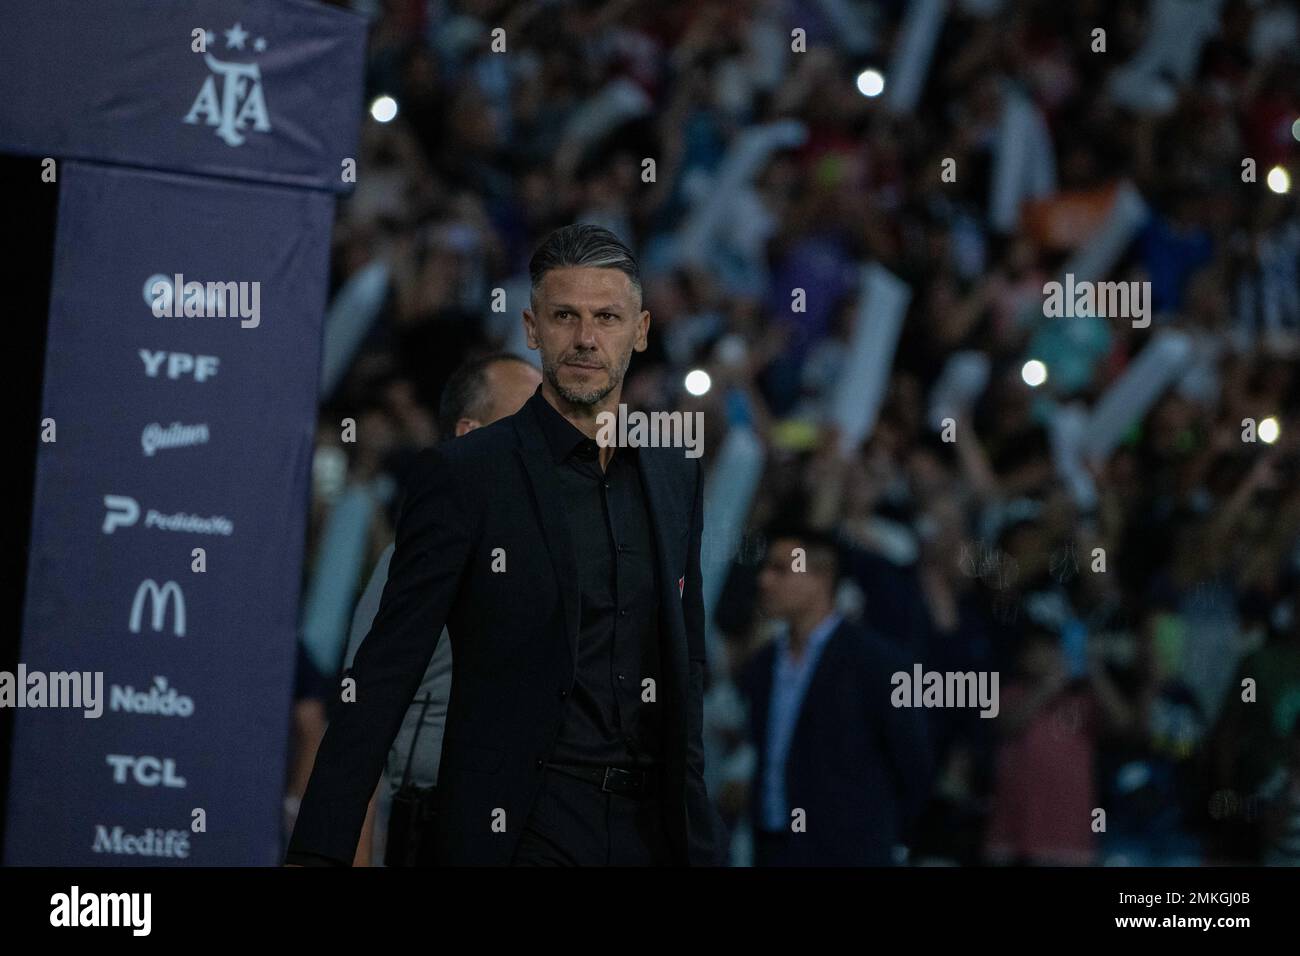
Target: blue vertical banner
<point x="199" y="148"/>
<point x="167" y="537"/>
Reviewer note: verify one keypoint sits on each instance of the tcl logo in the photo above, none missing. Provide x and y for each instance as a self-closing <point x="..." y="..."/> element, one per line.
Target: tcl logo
<point x="146" y="771"/>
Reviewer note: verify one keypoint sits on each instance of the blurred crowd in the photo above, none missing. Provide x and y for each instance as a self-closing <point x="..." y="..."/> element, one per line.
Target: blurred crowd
<point x="1146" y="629"/>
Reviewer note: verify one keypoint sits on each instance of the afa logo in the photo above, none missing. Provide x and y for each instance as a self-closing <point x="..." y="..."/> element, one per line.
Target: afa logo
<point x="236" y="102"/>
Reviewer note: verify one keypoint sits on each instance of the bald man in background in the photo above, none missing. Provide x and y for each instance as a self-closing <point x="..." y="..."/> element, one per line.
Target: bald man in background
<point x="478" y="393"/>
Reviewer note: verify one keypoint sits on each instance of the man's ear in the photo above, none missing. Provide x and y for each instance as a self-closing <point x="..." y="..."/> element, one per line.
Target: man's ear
<point x="530" y="329"/>
<point x="641" y="341"/>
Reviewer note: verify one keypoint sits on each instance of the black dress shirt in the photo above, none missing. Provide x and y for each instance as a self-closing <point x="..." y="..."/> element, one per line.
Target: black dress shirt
<point x="605" y="719"/>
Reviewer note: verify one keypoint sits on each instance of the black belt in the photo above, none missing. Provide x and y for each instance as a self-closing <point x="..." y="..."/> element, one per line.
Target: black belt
<point x="629" y="783"/>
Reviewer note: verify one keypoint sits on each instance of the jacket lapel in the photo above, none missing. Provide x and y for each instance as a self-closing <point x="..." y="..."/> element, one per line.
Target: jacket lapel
<point x="667" y="522"/>
<point x="761" y="696"/>
<point x="818" y="687"/>
<point x="548" y="500"/>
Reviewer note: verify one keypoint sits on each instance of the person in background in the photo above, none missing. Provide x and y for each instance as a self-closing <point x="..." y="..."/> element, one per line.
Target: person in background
<point x="478" y="393"/>
<point x="841" y="773"/>
<point x="1045" y="793"/>
<point x="1148" y="774"/>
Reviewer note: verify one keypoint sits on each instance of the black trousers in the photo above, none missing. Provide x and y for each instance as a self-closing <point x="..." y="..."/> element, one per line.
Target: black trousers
<point x="575" y="823"/>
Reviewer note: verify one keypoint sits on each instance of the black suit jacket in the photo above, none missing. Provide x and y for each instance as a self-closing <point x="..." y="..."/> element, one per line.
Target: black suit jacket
<point x="493" y="494"/>
<point x="859" y="767"/>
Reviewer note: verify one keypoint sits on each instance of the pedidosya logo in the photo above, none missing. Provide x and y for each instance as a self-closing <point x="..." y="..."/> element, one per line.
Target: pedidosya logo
<point x="231" y="96"/>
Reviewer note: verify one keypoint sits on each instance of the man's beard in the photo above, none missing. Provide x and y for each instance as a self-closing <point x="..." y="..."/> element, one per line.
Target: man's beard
<point x="595" y="396"/>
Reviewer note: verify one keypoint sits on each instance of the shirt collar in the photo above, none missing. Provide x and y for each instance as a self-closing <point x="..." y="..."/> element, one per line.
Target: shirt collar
<point x="819" y="635"/>
<point x="825" y="629"/>
<point x="562" y="436"/>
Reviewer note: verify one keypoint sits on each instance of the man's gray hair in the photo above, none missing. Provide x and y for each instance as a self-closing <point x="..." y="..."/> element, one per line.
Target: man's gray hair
<point x="582" y="244"/>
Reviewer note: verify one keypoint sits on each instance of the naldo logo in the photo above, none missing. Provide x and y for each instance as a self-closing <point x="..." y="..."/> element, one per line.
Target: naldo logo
<point x="231" y="96"/>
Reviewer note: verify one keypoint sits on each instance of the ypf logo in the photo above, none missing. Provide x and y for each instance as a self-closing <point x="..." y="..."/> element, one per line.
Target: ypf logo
<point x="158" y="600"/>
<point x="240" y="101"/>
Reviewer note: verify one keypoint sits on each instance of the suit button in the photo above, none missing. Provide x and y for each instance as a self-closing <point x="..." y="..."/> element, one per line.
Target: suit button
<point x="563" y="693"/>
<point x="539" y="763"/>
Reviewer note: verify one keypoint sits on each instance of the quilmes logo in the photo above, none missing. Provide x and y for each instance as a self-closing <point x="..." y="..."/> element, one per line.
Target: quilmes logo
<point x="175" y="435"/>
<point x="158" y="597"/>
<point x="236" y="101"/>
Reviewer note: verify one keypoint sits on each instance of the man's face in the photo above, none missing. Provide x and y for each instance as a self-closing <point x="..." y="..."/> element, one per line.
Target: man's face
<point x="587" y="324"/>
<point x="784" y="592"/>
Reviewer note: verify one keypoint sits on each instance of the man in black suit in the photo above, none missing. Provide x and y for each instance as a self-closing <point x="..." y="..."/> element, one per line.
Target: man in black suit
<point x="841" y="773"/>
<point x="568" y="577"/>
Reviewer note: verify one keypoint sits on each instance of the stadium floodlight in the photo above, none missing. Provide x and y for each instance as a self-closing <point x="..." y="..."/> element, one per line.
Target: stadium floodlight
<point x="384" y="109"/>
<point x="698" y="382"/>
<point x="1269" y="430"/>
<point x="1279" y="180"/>
<point x="871" y="83"/>
<point x="1034" y="373"/>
